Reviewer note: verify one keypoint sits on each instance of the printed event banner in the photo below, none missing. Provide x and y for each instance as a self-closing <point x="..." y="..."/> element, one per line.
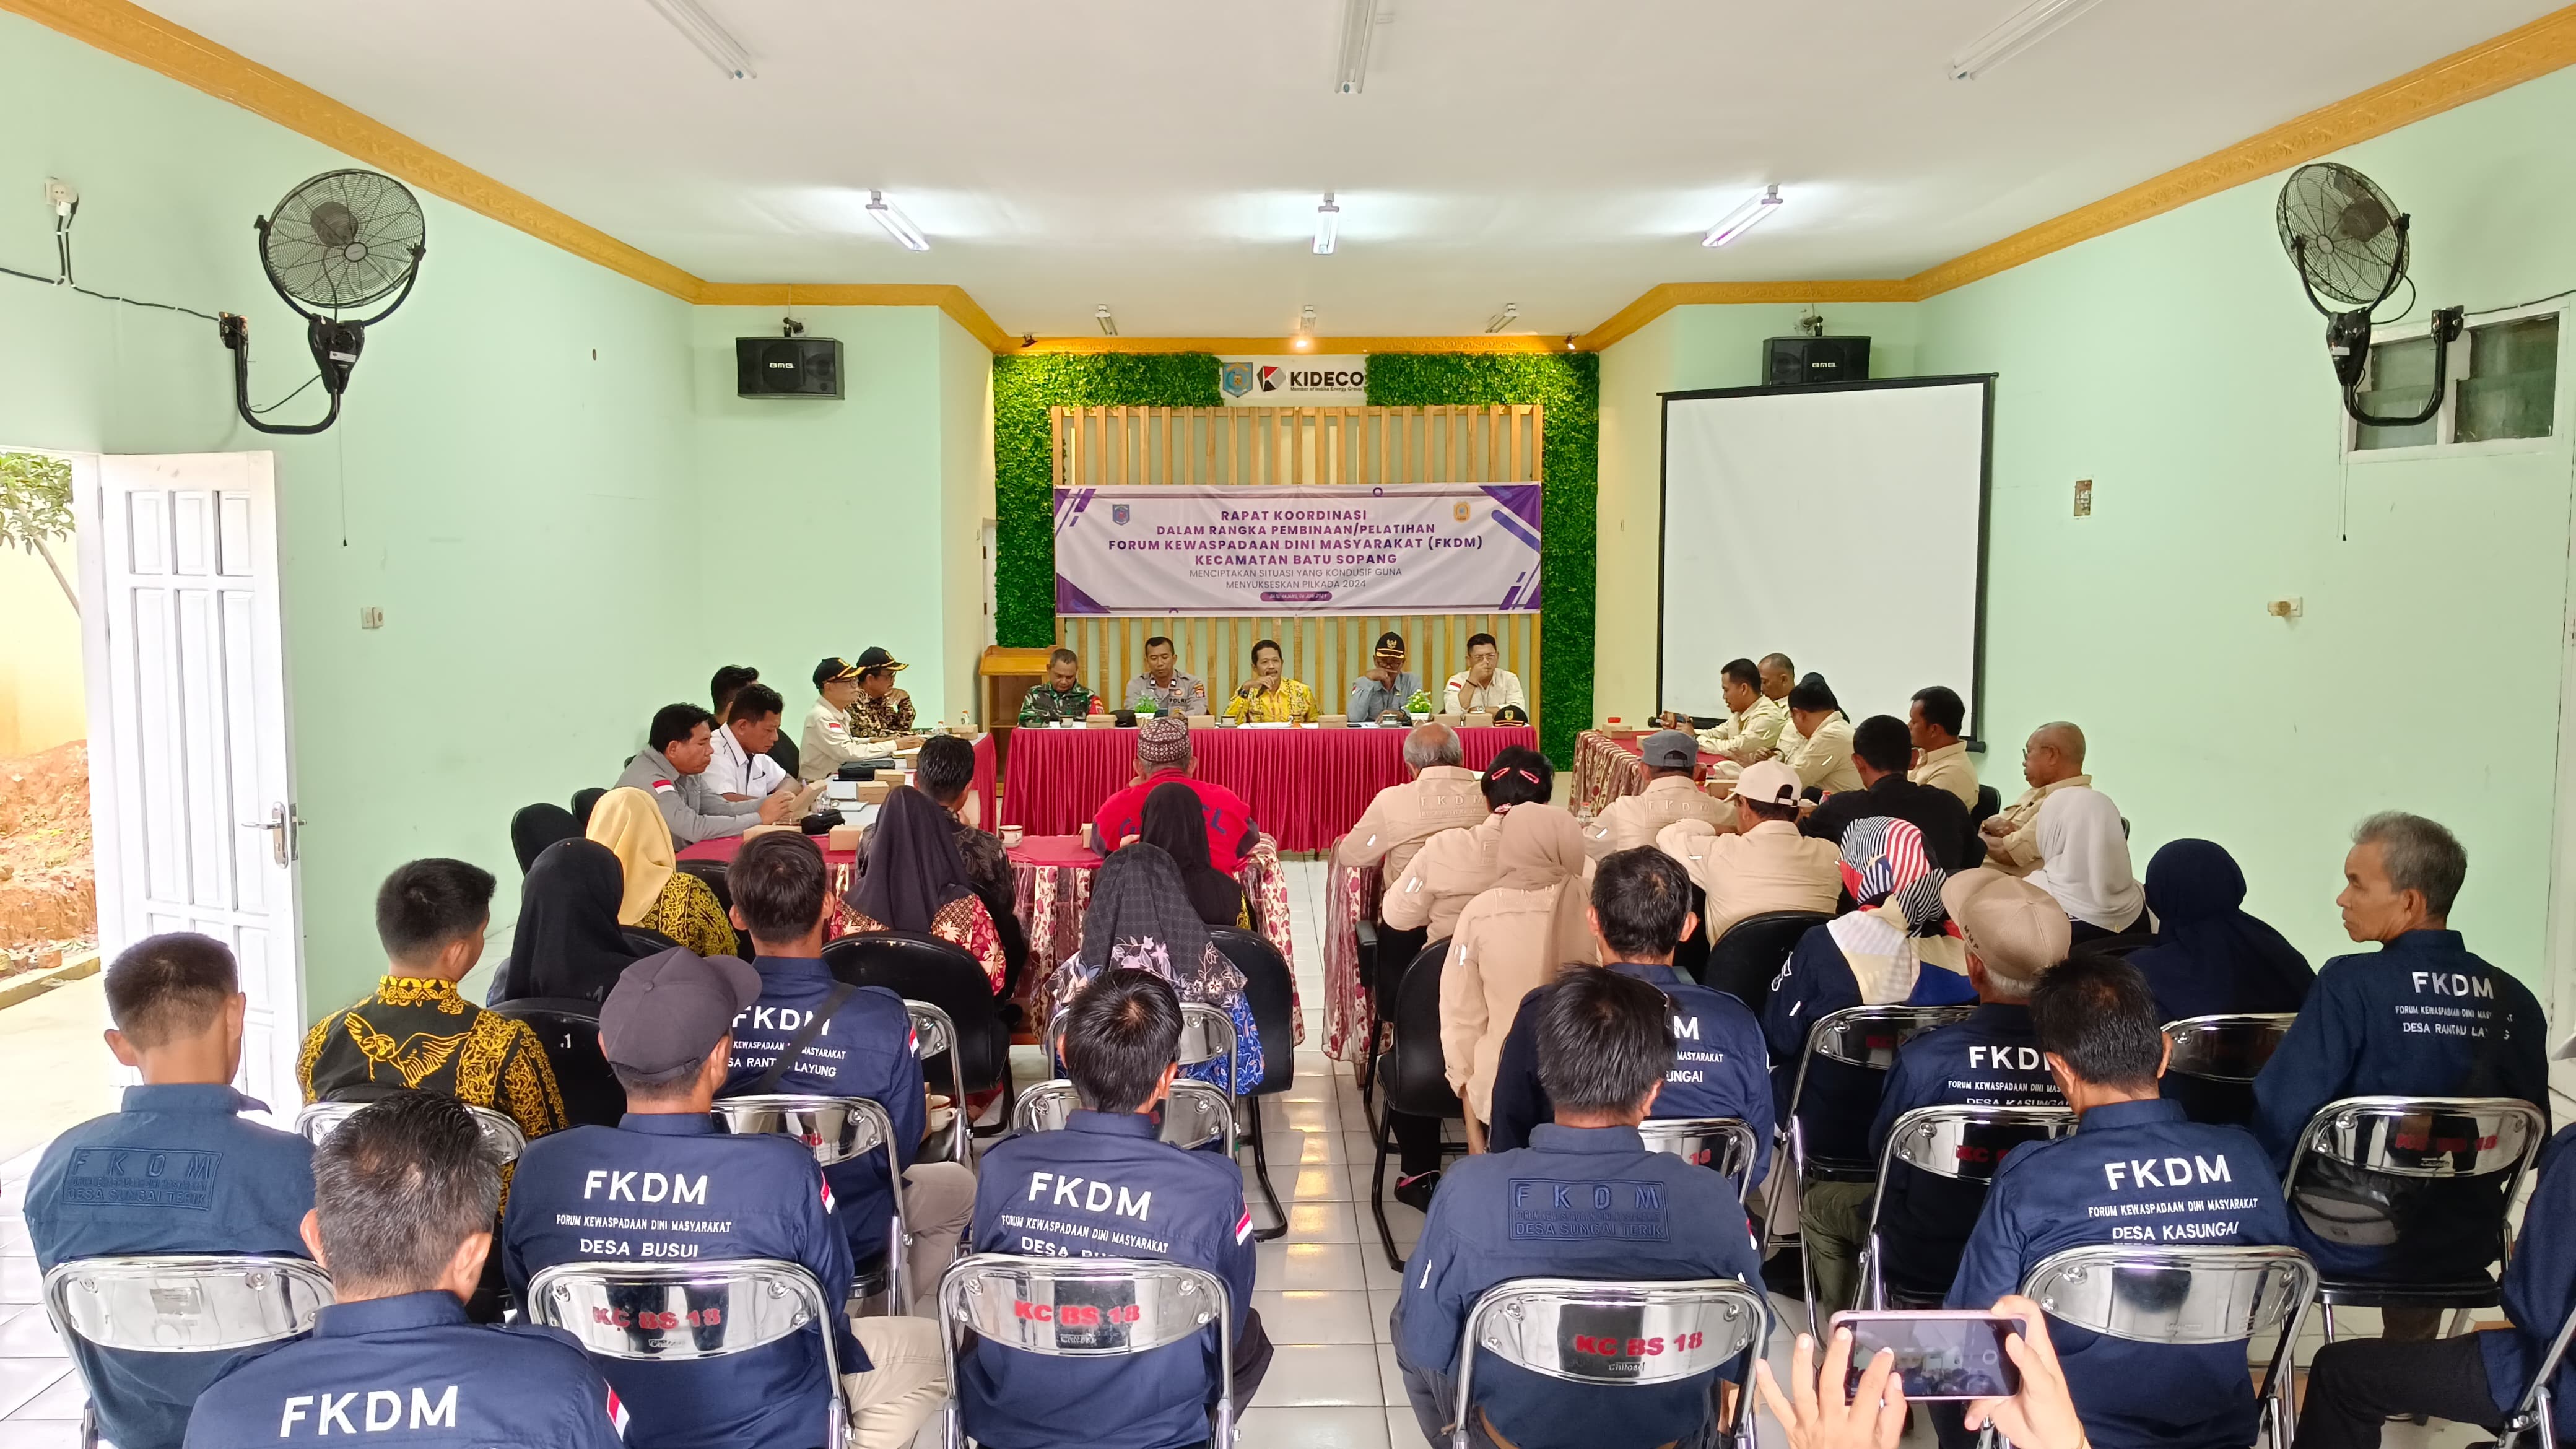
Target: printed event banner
<point x="1442" y="548"/>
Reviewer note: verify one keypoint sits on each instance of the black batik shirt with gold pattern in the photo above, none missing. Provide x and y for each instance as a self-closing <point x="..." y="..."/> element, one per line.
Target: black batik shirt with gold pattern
<point x="419" y="1034"/>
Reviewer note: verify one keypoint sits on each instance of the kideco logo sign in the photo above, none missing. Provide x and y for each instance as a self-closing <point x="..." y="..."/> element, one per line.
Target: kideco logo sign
<point x="1247" y="378"/>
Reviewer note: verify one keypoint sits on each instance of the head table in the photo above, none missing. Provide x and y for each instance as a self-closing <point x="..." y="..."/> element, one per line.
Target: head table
<point x="1051" y="880"/>
<point x="1306" y="785"/>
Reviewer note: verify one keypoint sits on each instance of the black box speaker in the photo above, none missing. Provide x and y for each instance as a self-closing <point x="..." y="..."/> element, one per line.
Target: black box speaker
<point x="1794" y="361"/>
<point x="787" y="366"/>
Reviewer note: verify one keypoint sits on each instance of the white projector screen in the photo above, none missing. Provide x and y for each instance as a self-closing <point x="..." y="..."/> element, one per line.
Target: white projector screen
<point x="1842" y="525"/>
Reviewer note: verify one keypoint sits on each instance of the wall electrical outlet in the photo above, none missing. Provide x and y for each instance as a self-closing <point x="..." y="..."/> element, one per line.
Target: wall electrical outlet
<point x="371" y="618"/>
<point x="2084" y="498"/>
<point x="60" y="193"/>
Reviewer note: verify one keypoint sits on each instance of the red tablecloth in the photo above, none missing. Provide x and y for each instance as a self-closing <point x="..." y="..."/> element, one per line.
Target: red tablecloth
<point x="1305" y="786"/>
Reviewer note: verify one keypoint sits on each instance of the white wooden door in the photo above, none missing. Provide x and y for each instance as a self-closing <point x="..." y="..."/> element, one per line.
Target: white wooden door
<point x="191" y="787"/>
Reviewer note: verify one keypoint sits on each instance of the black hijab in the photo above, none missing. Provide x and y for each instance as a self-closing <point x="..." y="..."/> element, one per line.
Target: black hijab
<point x="568" y="943"/>
<point x="2209" y="955"/>
<point x="1175" y="821"/>
<point x="912" y="868"/>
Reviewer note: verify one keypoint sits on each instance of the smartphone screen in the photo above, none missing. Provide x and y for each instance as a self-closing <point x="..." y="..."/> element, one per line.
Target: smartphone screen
<point x="1939" y="1355"/>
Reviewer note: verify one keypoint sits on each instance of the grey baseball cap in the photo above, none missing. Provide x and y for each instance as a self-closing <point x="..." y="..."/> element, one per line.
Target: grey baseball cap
<point x="671" y="1009"/>
<point x="1670" y="750"/>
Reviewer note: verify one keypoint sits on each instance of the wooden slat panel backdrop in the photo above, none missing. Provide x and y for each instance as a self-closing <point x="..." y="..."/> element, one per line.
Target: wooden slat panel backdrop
<point x="1106" y="447"/>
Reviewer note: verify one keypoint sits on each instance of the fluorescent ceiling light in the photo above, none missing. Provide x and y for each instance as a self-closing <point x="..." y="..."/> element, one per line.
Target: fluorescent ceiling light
<point x="1108" y="324"/>
<point x="1511" y="312"/>
<point x="1328" y="225"/>
<point x="692" y="21"/>
<point x="2027" y="27"/>
<point x="896" y="224"/>
<point x="1359" y="21"/>
<point x="1742" y="219"/>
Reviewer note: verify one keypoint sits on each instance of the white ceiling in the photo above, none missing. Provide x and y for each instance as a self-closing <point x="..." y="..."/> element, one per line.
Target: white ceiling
<point x="1165" y="156"/>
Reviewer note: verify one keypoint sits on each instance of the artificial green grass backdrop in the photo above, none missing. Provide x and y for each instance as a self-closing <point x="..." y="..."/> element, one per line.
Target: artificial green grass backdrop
<point x="1567" y="386"/>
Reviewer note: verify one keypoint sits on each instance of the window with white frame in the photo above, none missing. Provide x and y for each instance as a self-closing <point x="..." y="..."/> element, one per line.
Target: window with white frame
<point x="2503" y="393"/>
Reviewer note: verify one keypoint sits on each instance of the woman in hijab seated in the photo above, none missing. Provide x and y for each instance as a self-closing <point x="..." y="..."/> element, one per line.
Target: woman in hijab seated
<point x="568" y="944"/>
<point x="2084" y="863"/>
<point x="914" y="880"/>
<point x="1175" y="822"/>
<point x="2210" y="957"/>
<point x="1515" y="936"/>
<point x="1141" y="918"/>
<point x="659" y="897"/>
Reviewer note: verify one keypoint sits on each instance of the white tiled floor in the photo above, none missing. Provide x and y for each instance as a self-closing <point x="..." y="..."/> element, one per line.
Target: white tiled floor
<point x="1324" y="1290"/>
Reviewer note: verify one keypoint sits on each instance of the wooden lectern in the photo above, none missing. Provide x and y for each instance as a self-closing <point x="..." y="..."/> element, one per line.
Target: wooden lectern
<point x="1009" y="675"/>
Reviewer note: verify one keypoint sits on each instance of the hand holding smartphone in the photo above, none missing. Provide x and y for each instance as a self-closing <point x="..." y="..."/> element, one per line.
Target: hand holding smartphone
<point x="1940" y="1354"/>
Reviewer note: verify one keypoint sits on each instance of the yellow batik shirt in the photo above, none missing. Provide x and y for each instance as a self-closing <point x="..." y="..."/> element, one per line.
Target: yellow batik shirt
<point x="418" y="1034"/>
<point x="1291" y="703"/>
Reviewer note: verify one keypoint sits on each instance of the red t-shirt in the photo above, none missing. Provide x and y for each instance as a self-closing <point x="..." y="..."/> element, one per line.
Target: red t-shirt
<point x="1231" y="833"/>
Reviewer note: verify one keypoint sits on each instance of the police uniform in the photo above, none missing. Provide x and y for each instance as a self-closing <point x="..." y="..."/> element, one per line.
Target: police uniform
<point x="2419" y="1017"/>
<point x="1841" y="1100"/>
<point x="410" y="1370"/>
<point x="1578" y="1202"/>
<point x="2132" y="1172"/>
<point x="690" y="804"/>
<point x="1992" y="1059"/>
<point x="1717" y="1064"/>
<point x="675" y="1188"/>
<point x="1107" y="1187"/>
<point x="864" y="1050"/>
<point x="175" y="1171"/>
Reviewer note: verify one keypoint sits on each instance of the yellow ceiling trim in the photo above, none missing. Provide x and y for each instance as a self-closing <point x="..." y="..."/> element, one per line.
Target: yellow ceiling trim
<point x="952" y="300"/>
<point x="1281" y="347"/>
<point x="133" y="33"/>
<point x="2527" y="53"/>
<point x="1659" y="300"/>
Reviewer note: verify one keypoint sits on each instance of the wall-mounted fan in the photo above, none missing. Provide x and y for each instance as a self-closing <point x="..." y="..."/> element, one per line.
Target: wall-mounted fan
<point x="2348" y="241"/>
<point x="343" y="239"/>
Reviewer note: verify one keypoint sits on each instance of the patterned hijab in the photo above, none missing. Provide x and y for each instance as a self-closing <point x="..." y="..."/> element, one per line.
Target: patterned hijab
<point x="1140" y="917"/>
<point x="1900" y="923"/>
<point x="628" y="822"/>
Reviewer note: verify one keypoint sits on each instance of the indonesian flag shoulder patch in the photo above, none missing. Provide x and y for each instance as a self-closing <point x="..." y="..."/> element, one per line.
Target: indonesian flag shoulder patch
<point x="1243" y="1226"/>
<point x="617" y="1413"/>
<point x="663" y="787"/>
<point x="827" y="1198"/>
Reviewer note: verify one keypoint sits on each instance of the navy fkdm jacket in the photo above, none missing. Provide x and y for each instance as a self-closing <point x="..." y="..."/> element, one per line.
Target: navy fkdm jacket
<point x="1578" y="1203"/>
<point x="2420" y="1017"/>
<point x="865" y="1050"/>
<point x="177" y="1171"/>
<point x="1718" y="1066"/>
<point x="2539" y="1290"/>
<point x="409" y="1370"/>
<point x="1105" y="1187"/>
<point x="2134" y="1172"/>
<point x="1992" y="1059"/>
<point x="676" y="1189"/>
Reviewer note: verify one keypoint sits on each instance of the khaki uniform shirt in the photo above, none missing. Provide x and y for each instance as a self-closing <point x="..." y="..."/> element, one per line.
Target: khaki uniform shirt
<point x="1823" y="760"/>
<point x="827" y="742"/>
<point x="1447" y="872"/>
<point x="1632" y="820"/>
<point x="1950" y="768"/>
<point x="1768" y="868"/>
<point x="1744" y="737"/>
<point x="1499" y="953"/>
<point x="2018" y="852"/>
<point x="1402" y="817"/>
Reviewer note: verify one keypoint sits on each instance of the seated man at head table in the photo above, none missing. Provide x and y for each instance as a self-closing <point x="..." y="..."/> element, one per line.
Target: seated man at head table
<point x="1880" y="747"/>
<point x="1483" y="686"/>
<point x="1122" y="1035"/>
<point x="1162" y="688"/>
<point x="1763" y="864"/>
<point x="403" y="1200"/>
<point x="672" y="768"/>
<point x="2420" y="1017"/>
<point x="882" y="713"/>
<point x="1442" y="795"/>
<point x="1671" y="794"/>
<point x="1061" y="695"/>
<point x="1387" y="686"/>
<point x="742" y="768"/>
<point x="2119" y="1175"/>
<point x="1270" y="696"/>
<point x="1753" y="722"/>
<point x="175" y="1170"/>
<point x="1818" y="740"/>
<point x="1932" y="722"/>
<point x="582" y="1195"/>
<point x="2051" y="760"/>
<point x="1640" y="910"/>
<point x="1584" y="1200"/>
<point x="1162" y="758"/>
